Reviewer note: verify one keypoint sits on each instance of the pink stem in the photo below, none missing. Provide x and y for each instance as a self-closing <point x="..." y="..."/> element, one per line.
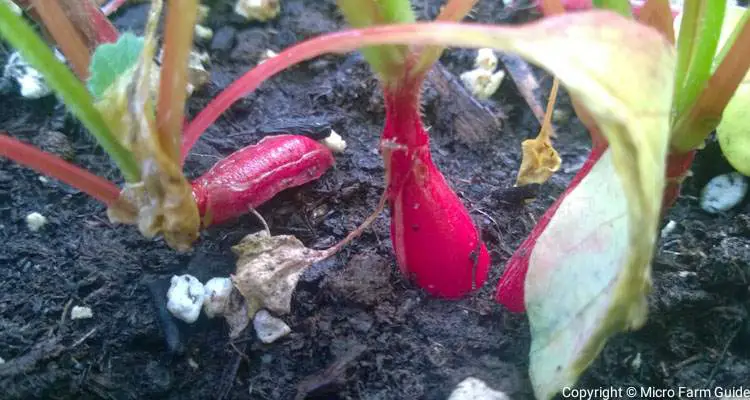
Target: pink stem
<point x="55" y="167"/>
<point x="112" y="6"/>
<point x="425" y="33"/>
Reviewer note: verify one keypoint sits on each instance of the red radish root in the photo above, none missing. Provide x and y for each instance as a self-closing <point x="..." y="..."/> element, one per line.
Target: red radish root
<point x="254" y="174"/>
<point x="434" y="238"/>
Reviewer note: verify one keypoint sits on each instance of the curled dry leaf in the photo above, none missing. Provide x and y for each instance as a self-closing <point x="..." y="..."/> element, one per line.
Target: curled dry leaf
<point x="162" y="202"/>
<point x="268" y="269"/>
<point x="540" y="160"/>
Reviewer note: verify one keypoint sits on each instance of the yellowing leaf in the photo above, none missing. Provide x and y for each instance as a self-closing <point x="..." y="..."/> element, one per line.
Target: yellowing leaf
<point x="589" y="272"/>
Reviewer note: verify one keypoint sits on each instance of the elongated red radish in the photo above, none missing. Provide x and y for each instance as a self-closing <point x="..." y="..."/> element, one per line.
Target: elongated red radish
<point x="254" y="174"/>
<point x="433" y="235"/>
<point x="510" y="287"/>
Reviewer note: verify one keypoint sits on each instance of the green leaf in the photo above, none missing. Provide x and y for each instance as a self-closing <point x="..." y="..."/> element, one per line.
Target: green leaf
<point x="112" y="60"/>
<point x="733" y="131"/>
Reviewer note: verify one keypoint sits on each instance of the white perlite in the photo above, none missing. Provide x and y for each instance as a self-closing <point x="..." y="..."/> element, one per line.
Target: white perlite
<point x="668" y="228"/>
<point x="334" y="142"/>
<point x="269" y="328"/>
<point x="474" y="389"/>
<point x="203" y="33"/>
<point x="185" y="298"/>
<point x="261" y="10"/>
<point x="29" y="79"/>
<point x="486" y="60"/>
<point x="79" y="312"/>
<point x="723" y="192"/>
<point x="483" y="81"/>
<point x="35" y="221"/>
<point x="217" y="292"/>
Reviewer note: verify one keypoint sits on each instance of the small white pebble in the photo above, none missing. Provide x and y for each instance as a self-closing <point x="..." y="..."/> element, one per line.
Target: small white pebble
<point x="685" y="274"/>
<point x="203" y="12"/>
<point x="474" y="389"/>
<point x="267" y="55"/>
<point x="261" y="10"/>
<point x="185" y="298"/>
<point x="79" y="312"/>
<point x="29" y="79"/>
<point x="636" y="363"/>
<point x="486" y="60"/>
<point x="43" y="179"/>
<point x="482" y="83"/>
<point x="269" y="328"/>
<point x="203" y="33"/>
<point x="192" y="363"/>
<point x="668" y="228"/>
<point x="35" y="221"/>
<point x="217" y="292"/>
<point x="334" y="142"/>
<point x="2" y="361"/>
<point x="723" y="192"/>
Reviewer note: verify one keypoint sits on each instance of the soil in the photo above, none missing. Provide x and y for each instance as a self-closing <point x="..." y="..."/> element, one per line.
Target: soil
<point x="360" y="331"/>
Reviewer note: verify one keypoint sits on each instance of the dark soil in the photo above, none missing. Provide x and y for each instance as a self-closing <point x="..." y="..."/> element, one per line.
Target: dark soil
<point x="359" y="329"/>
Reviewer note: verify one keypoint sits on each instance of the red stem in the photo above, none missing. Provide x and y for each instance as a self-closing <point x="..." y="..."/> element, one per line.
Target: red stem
<point x="104" y="30"/>
<point x="336" y="42"/>
<point x="55" y="167"/>
<point x="112" y="6"/>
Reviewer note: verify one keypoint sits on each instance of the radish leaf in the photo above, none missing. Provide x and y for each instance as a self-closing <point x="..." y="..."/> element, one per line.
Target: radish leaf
<point x="112" y="60"/>
<point x="733" y="131"/>
<point x="589" y="272"/>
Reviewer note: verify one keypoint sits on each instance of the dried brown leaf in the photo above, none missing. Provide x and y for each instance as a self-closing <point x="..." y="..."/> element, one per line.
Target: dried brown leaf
<point x="268" y="270"/>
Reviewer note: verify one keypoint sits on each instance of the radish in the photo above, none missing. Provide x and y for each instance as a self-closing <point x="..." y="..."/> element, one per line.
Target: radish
<point x="433" y="236"/>
<point x="254" y="174"/>
<point x="243" y="180"/>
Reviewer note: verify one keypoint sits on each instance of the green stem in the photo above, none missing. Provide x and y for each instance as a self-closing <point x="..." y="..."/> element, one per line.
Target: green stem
<point x="733" y="37"/>
<point x="388" y="61"/>
<point x="80" y="102"/>
<point x="700" y="30"/>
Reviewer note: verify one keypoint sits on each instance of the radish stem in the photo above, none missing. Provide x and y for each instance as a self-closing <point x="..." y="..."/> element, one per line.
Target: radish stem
<point x="53" y="166"/>
<point x="178" y="41"/>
